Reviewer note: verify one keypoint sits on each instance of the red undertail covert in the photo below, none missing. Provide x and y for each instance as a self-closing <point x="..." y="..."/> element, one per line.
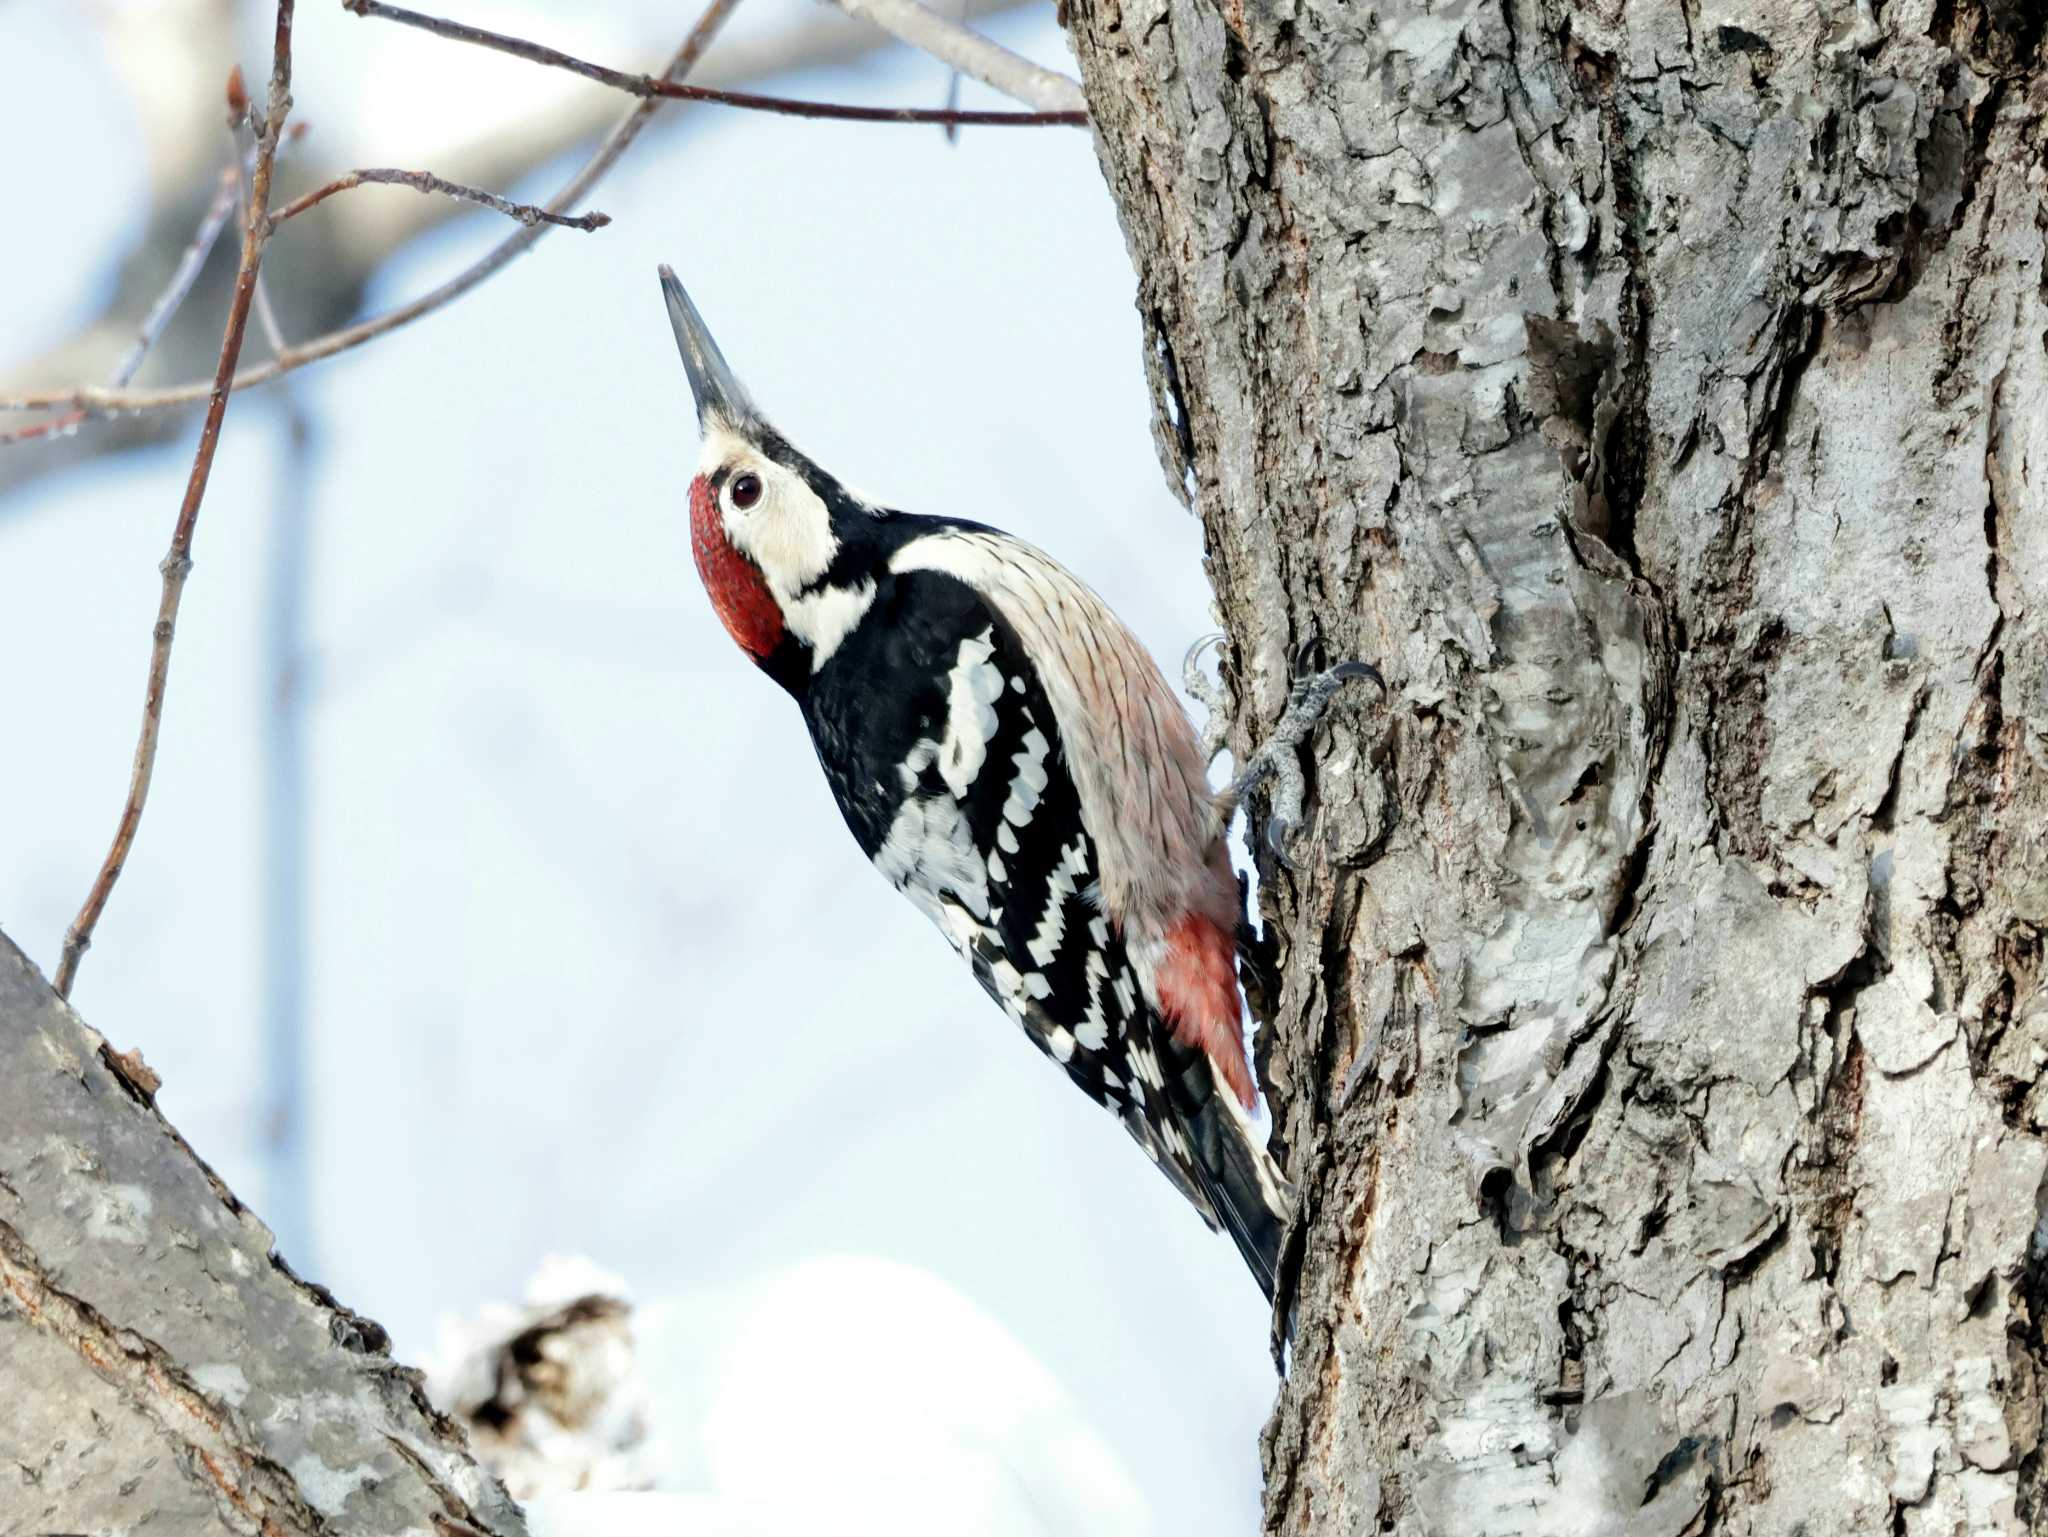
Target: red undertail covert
<point x="1197" y="982"/>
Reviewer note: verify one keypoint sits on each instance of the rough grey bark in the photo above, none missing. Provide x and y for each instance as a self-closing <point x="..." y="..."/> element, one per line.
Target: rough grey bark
<point x="160" y="1368"/>
<point x="1659" y="394"/>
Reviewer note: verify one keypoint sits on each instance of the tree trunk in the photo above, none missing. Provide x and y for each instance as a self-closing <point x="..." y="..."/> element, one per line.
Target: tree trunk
<point x="1658" y="393"/>
<point x="160" y="1368"/>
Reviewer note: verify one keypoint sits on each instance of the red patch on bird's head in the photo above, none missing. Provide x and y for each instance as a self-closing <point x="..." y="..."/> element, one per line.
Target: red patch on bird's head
<point x="738" y="592"/>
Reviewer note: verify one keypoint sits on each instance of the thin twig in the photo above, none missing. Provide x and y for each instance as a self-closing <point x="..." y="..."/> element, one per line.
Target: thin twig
<point x="55" y="427"/>
<point x="971" y="54"/>
<point x="648" y="86"/>
<point x="426" y="181"/>
<point x="958" y="117"/>
<point x="952" y="130"/>
<point x="266" y="317"/>
<point x="183" y="276"/>
<point x="227" y="198"/>
<point x="177" y="564"/>
<point x="97" y="401"/>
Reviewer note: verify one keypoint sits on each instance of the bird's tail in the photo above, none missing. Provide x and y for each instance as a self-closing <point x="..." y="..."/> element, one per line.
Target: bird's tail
<point x="1226" y="1170"/>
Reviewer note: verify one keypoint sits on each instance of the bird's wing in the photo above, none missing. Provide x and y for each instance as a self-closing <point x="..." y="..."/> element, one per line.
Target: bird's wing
<point x="985" y="832"/>
<point x="1165" y="876"/>
<point x="1144" y="789"/>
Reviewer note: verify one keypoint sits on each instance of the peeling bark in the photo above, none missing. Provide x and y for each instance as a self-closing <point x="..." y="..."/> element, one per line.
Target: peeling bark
<point x="1659" y="394"/>
<point x="160" y="1367"/>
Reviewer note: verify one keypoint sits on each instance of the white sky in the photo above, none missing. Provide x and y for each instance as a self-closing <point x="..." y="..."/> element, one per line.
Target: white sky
<point x="593" y="965"/>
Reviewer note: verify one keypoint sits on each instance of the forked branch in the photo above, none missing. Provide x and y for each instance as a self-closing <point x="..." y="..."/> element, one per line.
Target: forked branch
<point x="183" y="276"/>
<point x="177" y="564"/>
<point x="91" y="400"/>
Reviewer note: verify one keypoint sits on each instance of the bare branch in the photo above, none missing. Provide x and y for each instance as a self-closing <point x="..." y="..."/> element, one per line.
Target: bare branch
<point x="971" y="54"/>
<point x="426" y="181"/>
<point x="99" y="402"/>
<point x="949" y="117"/>
<point x="647" y="86"/>
<point x="266" y="314"/>
<point x="177" y="564"/>
<point x="160" y="313"/>
<point x="266" y="317"/>
<point x="183" y="278"/>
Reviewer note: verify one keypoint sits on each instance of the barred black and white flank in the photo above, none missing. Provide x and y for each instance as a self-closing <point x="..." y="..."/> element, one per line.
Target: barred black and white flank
<point x="1012" y="761"/>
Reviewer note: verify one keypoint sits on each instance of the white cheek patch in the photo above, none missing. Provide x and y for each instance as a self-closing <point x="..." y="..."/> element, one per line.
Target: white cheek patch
<point x="788" y="536"/>
<point x="787" y="533"/>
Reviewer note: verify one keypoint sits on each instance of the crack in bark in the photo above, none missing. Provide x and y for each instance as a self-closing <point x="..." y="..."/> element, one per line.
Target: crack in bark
<point x="244" y="1480"/>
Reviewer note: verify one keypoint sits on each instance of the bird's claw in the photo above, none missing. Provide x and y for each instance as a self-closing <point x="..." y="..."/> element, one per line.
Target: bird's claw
<point x="1190" y="664"/>
<point x="1211" y="695"/>
<point x="1278" y="830"/>
<point x="1348" y="672"/>
<point x="1275" y="758"/>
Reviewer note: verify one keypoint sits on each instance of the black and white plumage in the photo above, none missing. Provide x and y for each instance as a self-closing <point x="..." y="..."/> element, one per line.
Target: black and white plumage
<point x="1012" y="761"/>
<point x="937" y="740"/>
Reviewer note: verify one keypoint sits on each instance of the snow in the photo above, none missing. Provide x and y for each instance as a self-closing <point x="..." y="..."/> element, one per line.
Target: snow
<point x="617" y="1514"/>
<point x="844" y="1393"/>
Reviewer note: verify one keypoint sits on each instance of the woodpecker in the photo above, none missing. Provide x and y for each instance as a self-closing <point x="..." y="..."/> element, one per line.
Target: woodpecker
<point x="1011" y="759"/>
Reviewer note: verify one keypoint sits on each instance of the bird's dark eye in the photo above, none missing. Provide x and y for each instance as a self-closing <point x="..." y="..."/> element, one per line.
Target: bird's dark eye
<point x="746" y="490"/>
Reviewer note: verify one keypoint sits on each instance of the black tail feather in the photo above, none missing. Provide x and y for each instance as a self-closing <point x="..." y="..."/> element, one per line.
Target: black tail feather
<point x="1244" y="1190"/>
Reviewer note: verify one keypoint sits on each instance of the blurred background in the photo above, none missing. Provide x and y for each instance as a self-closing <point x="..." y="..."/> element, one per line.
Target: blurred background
<point x="488" y="905"/>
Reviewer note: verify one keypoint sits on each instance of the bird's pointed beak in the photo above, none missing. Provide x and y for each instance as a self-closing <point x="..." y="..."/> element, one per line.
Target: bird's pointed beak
<point x="719" y="394"/>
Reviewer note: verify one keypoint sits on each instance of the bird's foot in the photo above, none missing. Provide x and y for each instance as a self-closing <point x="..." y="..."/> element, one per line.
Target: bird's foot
<point x="1209" y="693"/>
<point x="1277" y="758"/>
